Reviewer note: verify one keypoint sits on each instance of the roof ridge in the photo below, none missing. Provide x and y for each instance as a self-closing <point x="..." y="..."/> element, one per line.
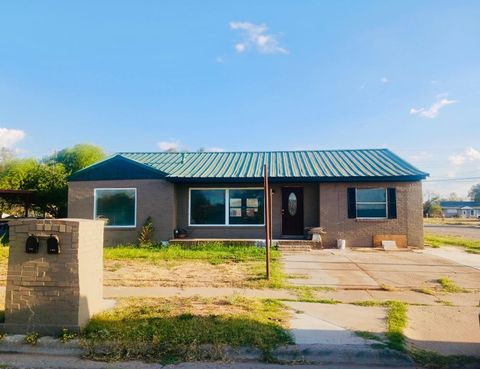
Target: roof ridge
<point x="249" y="152"/>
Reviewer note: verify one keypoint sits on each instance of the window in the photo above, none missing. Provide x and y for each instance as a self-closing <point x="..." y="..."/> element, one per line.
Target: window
<point x="117" y="205"/>
<point x="371" y="203"/>
<point x="246" y="207"/>
<point x="231" y="207"/>
<point x="207" y="207"/>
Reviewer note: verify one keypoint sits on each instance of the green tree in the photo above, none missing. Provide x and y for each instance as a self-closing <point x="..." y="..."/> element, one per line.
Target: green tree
<point x="78" y="157"/>
<point x="435" y="211"/>
<point x="49" y="180"/>
<point x="433" y="200"/>
<point x="474" y="193"/>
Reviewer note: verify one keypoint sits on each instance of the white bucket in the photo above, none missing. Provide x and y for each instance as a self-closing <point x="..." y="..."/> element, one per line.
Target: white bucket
<point x="341" y="244"/>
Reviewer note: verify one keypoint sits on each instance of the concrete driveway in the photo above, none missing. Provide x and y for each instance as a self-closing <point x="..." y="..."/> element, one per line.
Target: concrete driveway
<point x="372" y="269"/>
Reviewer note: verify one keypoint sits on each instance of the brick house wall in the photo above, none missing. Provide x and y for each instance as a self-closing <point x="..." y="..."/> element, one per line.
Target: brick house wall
<point x="359" y="232"/>
<point x="310" y="193"/>
<point x="155" y="198"/>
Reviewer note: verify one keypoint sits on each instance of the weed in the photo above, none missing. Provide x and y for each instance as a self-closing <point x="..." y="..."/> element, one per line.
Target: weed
<point x="387" y="287"/>
<point x="444" y="302"/>
<point x="370" y="303"/>
<point x="177" y="328"/>
<point x="430" y="359"/>
<point x="213" y="252"/>
<point x="31" y="338"/>
<point x="369" y="336"/>
<point x="66" y="335"/>
<point x="145" y="236"/>
<point x="435" y="240"/>
<point x="396" y="323"/>
<point x="450" y="286"/>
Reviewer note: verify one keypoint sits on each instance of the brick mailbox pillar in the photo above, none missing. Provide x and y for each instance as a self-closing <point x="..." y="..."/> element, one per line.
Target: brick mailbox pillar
<point x="48" y="291"/>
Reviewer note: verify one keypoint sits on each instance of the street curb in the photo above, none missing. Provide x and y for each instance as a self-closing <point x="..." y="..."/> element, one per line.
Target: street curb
<point x="319" y="353"/>
<point x="44" y="346"/>
<point x="343" y="354"/>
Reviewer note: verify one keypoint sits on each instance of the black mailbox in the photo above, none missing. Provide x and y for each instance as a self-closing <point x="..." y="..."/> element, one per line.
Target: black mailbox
<point x="32" y="245"/>
<point x="53" y="245"/>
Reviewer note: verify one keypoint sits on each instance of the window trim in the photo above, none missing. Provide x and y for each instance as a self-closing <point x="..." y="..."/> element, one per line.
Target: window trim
<point x="227" y="207"/>
<point x="114" y="188"/>
<point x="371" y="202"/>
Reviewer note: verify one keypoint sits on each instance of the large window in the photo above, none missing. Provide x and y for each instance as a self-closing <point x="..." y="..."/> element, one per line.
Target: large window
<point x="207" y="207"/>
<point x="371" y="203"/>
<point x="234" y="206"/>
<point x="116" y="205"/>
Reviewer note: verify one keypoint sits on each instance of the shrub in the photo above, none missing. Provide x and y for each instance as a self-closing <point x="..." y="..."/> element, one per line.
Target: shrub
<point x="145" y="237"/>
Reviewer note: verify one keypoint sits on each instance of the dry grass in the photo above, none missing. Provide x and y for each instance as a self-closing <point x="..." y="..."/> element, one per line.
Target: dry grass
<point x="451" y="221"/>
<point x="213" y="265"/>
<point x="164" y="273"/>
<point x="172" y="329"/>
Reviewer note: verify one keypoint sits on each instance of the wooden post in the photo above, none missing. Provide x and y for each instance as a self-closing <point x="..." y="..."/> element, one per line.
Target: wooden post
<point x="268" y="236"/>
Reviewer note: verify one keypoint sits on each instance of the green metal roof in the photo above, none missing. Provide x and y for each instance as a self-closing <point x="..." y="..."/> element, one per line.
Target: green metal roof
<point x="324" y="165"/>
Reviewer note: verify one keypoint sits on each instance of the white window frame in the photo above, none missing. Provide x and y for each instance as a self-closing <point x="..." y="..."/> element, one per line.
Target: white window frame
<point x="114" y="189"/>
<point x="371" y="202"/>
<point x="227" y="207"/>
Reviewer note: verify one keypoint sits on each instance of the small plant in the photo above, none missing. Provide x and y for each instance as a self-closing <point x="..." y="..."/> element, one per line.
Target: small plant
<point x="145" y="237"/>
<point x="450" y="286"/>
<point x="368" y="335"/>
<point x="66" y="335"/>
<point x="32" y="338"/>
<point x="387" y="287"/>
<point x="396" y="323"/>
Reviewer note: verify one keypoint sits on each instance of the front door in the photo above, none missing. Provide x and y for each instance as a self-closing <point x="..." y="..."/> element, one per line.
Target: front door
<point x="292" y="211"/>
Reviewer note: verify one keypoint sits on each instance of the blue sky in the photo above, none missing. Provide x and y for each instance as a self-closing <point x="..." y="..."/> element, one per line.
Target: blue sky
<point x="246" y="75"/>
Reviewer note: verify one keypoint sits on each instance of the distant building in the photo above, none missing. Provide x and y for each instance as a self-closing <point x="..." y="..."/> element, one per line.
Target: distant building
<point x="460" y="209"/>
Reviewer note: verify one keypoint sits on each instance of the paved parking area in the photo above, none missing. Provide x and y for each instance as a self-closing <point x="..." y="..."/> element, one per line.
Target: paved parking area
<point x="372" y="269"/>
<point x="472" y="232"/>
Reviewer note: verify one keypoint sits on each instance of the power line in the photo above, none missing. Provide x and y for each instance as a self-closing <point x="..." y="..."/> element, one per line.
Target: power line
<point x="452" y="179"/>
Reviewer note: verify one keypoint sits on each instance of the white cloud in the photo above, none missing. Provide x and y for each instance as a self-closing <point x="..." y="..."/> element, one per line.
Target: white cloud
<point x="457" y="159"/>
<point x="433" y="111"/>
<point x="469" y="155"/>
<point x="169" y="145"/>
<point x="385" y="80"/>
<point x="472" y="154"/>
<point x="255" y="36"/>
<point x="10" y="137"/>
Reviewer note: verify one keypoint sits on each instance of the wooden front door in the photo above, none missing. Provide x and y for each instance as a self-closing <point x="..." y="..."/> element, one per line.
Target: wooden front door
<point x="292" y="211"/>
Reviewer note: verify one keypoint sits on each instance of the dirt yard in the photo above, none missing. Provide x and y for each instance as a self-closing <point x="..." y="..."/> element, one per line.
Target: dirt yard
<point x="176" y="273"/>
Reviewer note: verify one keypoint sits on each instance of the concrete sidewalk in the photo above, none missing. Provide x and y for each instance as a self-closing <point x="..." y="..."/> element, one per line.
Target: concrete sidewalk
<point x="119" y="292"/>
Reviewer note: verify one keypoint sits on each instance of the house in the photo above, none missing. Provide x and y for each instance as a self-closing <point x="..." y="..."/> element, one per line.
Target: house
<point x="352" y="194"/>
<point x="460" y="209"/>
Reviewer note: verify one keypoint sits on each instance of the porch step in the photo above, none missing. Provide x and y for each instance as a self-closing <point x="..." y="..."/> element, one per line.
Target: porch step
<point x="298" y="245"/>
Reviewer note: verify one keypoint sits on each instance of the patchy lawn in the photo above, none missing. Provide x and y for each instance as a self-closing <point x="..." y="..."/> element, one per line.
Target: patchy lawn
<point x="451" y="221"/>
<point x="185" y="329"/>
<point x="435" y="240"/>
<point x="214" y="253"/>
<point x="211" y="265"/>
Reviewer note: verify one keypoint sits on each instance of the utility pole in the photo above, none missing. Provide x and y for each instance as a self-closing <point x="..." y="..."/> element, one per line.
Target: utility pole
<point x="267" y="204"/>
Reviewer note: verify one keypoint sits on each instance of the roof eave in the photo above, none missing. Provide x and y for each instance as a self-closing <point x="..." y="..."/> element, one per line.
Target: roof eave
<point x="409" y="178"/>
